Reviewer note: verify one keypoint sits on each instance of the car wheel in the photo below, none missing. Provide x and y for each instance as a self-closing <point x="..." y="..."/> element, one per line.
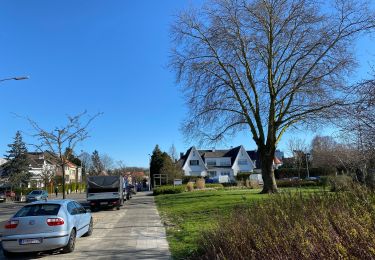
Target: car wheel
<point x="91" y="228"/>
<point x="8" y="254"/>
<point x="71" y="243"/>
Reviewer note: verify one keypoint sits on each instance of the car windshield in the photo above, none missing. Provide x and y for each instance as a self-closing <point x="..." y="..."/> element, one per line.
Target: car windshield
<point x="38" y="210"/>
<point x="36" y="192"/>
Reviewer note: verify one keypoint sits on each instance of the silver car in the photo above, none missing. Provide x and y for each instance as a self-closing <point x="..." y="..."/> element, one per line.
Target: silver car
<point x="37" y="195"/>
<point x="41" y="226"/>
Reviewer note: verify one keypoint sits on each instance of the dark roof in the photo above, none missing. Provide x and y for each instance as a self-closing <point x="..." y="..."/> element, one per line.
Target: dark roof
<point x="232" y="153"/>
<point x="181" y="161"/>
<point x="254" y="156"/>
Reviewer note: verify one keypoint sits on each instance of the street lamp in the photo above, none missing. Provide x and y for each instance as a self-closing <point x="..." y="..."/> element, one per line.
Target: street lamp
<point x="15" y="78"/>
<point x="149" y="173"/>
<point x="307" y="164"/>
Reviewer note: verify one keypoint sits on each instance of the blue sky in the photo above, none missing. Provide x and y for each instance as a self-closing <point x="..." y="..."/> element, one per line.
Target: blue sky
<point x="100" y="56"/>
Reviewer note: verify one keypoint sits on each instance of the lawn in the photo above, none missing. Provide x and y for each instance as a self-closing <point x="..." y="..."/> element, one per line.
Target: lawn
<point x="187" y="215"/>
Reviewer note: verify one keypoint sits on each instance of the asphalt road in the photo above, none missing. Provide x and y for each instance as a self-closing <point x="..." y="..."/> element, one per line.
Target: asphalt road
<point x="133" y="232"/>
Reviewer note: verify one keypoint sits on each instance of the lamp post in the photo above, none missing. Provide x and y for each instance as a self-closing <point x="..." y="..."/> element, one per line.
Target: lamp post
<point x="307" y="165"/>
<point x="149" y="174"/>
<point x="15" y="78"/>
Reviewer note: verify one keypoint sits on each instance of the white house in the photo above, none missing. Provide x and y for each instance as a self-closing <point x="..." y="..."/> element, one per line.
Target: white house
<point x="214" y="163"/>
<point x="45" y="166"/>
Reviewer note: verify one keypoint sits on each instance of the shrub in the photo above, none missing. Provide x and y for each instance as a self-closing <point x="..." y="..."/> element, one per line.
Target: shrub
<point x="200" y="183"/>
<point x="217" y="186"/>
<point x="296" y="183"/>
<point x="187" y="179"/>
<point x="340" y="182"/>
<point x="168" y="189"/>
<point x="190" y="186"/>
<point x="293" y="172"/>
<point x="242" y="176"/>
<point x="296" y="226"/>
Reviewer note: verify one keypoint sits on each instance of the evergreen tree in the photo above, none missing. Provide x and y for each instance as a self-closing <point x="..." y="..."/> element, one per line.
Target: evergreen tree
<point x="97" y="165"/>
<point x="170" y="169"/>
<point x="17" y="168"/>
<point x="156" y="163"/>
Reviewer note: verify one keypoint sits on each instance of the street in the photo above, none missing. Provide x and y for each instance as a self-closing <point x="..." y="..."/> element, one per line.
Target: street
<point x="133" y="232"/>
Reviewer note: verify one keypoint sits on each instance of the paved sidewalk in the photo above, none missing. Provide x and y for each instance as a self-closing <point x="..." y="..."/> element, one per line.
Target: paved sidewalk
<point x="134" y="232"/>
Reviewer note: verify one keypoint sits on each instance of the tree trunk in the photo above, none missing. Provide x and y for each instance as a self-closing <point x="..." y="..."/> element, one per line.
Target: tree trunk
<point x="269" y="182"/>
<point x="63" y="180"/>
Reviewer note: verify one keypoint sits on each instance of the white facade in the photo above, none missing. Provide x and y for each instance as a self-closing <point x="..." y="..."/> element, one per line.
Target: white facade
<point x="39" y="174"/>
<point x="214" y="165"/>
<point x="194" y="165"/>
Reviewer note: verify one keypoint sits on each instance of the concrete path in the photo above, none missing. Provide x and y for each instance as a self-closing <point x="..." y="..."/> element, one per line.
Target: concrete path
<point x="133" y="232"/>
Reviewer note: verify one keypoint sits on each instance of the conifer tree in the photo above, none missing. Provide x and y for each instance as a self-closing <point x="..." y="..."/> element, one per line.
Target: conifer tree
<point x="17" y="168"/>
<point x="156" y="163"/>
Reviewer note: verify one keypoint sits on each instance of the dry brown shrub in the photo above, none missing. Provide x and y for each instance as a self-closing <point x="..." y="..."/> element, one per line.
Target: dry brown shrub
<point x="190" y="186"/>
<point x="200" y="183"/>
<point x="296" y="226"/>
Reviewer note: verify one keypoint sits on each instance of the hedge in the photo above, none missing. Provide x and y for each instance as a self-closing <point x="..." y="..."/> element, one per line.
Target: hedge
<point x="169" y="189"/>
<point x="297" y="183"/>
<point x="313" y="172"/>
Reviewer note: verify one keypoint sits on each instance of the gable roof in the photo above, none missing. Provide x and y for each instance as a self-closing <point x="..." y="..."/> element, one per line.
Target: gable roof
<point x="214" y="153"/>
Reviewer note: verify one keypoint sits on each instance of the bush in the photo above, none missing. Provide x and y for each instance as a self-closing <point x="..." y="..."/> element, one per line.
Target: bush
<point x="217" y="186"/>
<point x="340" y="183"/>
<point x="187" y="179"/>
<point x="168" y="189"/>
<point x="313" y="172"/>
<point x="242" y="176"/>
<point x="190" y="186"/>
<point x="296" y="226"/>
<point x="296" y="183"/>
<point x="200" y="183"/>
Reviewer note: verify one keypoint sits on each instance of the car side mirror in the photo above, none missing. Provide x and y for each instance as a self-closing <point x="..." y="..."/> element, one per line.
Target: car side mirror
<point x="88" y="210"/>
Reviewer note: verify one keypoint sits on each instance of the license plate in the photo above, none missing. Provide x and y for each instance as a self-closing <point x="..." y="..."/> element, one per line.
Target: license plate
<point x="30" y="241"/>
<point x="103" y="203"/>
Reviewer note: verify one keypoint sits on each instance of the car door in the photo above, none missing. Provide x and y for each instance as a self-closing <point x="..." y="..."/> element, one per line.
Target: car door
<point x="83" y="222"/>
<point x="74" y="213"/>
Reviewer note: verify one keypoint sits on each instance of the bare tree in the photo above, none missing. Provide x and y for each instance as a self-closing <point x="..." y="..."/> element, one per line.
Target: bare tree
<point x="358" y="127"/>
<point x="86" y="162"/>
<point x="173" y="153"/>
<point x="107" y="162"/>
<point x="265" y="66"/>
<point x="298" y="148"/>
<point x="64" y="138"/>
<point x="47" y="174"/>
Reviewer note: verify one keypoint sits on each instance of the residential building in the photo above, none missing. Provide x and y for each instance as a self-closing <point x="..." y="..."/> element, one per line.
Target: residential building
<point x="44" y="167"/>
<point x="255" y="156"/>
<point x="214" y="163"/>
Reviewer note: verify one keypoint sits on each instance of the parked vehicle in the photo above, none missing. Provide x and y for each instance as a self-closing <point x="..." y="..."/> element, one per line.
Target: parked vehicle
<point x="105" y="191"/>
<point x="2" y="197"/>
<point x="41" y="226"/>
<point x="37" y="195"/>
<point x="10" y="193"/>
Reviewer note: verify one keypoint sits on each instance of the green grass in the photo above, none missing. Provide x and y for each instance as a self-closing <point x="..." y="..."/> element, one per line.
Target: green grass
<point x="187" y="215"/>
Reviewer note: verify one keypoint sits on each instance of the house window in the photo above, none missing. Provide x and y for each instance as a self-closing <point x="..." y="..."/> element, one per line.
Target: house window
<point x="225" y="163"/>
<point x="225" y="173"/>
<point x="211" y="163"/>
<point x="194" y="162"/>
<point x="242" y="162"/>
<point x="212" y="173"/>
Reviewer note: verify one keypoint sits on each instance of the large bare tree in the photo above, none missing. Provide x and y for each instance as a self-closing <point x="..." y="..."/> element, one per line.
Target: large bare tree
<point x="64" y="138"/>
<point x="264" y="66"/>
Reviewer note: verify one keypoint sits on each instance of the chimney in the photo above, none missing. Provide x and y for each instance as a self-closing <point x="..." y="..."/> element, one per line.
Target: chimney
<point x="181" y="155"/>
